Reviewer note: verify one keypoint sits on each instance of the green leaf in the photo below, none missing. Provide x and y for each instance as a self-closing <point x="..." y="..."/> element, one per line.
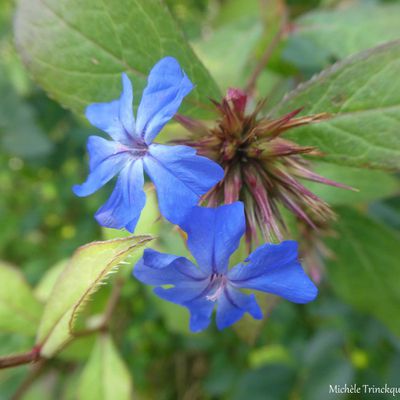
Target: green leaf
<point x="105" y="376"/>
<point x="371" y="184"/>
<point x="324" y="36"/>
<point x="45" y="287"/>
<point x="87" y="269"/>
<point x="363" y="95"/>
<point x="76" y="50"/>
<point x="366" y="267"/>
<point x="20" y="134"/>
<point x="234" y="10"/>
<point x="221" y="59"/>
<point x="20" y="311"/>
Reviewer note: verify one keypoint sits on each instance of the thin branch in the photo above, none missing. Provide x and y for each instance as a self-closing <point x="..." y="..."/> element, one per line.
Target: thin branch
<point x="108" y="312"/>
<point x="251" y="84"/>
<point x="113" y="301"/>
<point x="20" y="359"/>
<point x="35" y="372"/>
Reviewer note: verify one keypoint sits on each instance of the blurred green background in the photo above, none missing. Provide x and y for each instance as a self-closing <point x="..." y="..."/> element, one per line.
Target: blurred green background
<point x="294" y="354"/>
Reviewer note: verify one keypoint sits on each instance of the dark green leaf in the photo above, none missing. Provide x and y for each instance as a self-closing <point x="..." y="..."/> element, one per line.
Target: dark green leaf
<point x="323" y="36"/>
<point x="366" y="267"/>
<point x="363" y="95"/>
<point x="20" y="134"/>
<point x="371" y="184"/>
<point x="77" y="50"/>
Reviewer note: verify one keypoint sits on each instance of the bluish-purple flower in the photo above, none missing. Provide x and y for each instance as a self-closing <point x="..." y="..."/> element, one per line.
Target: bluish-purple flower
<point x="213" y="235"/>
<point x="179" y="175"/>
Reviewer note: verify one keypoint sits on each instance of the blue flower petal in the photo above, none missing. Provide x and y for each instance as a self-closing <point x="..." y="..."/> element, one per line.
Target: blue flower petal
<point x="107" y="158"/>
<point x="274" y="268"/>
<point x="232" y="304"/>
<point x="166" y="88"/>
<point x="180" y="177"/>
<point x="266" y="257"/>
<point x="126" y="202"/>
<point x="190" y="289"/>
<point x="200" y="313"/>
<point x="214" y="234"/>
<point x="162" y="269"/>
<point x="116" y="117"/>
<point x="192" y="296"/>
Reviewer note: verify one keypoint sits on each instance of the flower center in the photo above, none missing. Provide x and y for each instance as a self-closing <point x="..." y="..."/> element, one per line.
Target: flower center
<point x="136" y="149"/>
<point x="217" y="285"/>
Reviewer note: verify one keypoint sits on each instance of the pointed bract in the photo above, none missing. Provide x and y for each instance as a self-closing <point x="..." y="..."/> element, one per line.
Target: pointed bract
<point x="262" y="169"/>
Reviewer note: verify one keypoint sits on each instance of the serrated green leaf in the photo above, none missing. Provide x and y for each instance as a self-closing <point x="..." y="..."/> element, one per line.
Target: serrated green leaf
<point x="363" y="95"/>
<point x="105" y="376"/>
<point x="324" y="36"/>
<point x="20" y="311"/>
<point x="86" y="270"/>
<point x="371" y="184"/>
<point x="77" y="50"/>
<point x="366" y="268"/>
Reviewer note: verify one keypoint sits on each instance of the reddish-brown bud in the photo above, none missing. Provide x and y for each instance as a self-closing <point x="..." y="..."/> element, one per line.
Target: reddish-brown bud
<point x="261" y="168"/>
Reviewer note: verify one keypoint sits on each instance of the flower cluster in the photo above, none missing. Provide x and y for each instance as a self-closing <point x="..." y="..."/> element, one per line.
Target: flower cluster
<point x="181" y="178"/>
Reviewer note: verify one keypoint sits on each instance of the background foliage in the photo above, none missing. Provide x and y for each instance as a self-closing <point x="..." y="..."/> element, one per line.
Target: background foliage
<point x="351" y="334"/>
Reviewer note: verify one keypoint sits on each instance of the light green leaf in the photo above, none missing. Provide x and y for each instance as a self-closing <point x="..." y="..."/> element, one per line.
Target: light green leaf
<point x="219" y="51"/>
<point x="371" y="184"/>
<point x="105" y="376"/>
<point x="363" y="95"/>
<point x="46" y="284"/>
<point x="87" y="269"/>
<point x="366" y="269"/>
<point x="233" y="10"/>
<point x="76" y="50"/>
<point x="20" y="311"/>
<point x="324" y="36"/>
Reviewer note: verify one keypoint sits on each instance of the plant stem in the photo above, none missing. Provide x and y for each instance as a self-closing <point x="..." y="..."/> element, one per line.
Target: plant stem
<point x="20" y="359"/>
<point x="29" y="380"/>
<point x="108" y="312"/>
<point x="113" y="301"/>
<point x="269" y="50"/>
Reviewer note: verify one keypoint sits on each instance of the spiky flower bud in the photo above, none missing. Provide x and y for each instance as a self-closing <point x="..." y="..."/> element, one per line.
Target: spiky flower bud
<point x="262" y="169"/>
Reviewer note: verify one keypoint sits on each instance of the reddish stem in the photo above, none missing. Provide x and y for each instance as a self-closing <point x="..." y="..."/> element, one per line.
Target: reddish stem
<point x="32" y="356"/>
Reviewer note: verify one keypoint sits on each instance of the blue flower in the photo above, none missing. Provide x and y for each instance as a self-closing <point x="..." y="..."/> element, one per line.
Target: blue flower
<point x="179" y="175"/>
<point x="213" y="235"/>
